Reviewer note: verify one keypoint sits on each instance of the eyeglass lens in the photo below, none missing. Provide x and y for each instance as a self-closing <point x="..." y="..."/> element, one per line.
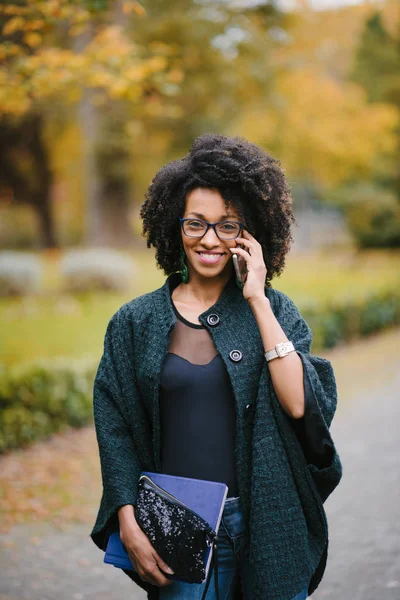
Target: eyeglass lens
<point x="225" y="230"/>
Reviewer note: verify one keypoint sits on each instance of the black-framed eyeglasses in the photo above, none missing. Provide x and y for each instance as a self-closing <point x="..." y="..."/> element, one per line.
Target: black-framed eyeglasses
<point x="197" y="228"/>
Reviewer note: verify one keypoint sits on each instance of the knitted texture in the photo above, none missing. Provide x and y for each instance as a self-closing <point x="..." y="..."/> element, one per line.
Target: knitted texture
<point x="281" y="495"/>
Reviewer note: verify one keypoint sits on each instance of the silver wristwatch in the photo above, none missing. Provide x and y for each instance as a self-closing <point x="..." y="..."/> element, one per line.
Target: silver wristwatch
<point x="279" y="351"/>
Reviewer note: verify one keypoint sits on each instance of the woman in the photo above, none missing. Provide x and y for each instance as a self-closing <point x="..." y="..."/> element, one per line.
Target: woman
<point x="211" y="377"/>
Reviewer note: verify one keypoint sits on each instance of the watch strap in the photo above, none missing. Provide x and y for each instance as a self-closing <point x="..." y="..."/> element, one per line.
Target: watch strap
<point x="279" y="351"/>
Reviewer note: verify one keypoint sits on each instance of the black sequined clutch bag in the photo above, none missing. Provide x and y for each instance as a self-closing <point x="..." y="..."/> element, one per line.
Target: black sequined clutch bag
<point x="180" y="536"/>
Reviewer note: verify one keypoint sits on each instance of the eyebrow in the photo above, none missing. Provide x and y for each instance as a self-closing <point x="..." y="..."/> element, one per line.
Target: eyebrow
<point x="200" y="216"/>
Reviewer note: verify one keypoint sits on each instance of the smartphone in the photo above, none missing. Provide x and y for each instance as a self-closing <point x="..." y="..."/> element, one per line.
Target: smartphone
<point x="240" y="267"/>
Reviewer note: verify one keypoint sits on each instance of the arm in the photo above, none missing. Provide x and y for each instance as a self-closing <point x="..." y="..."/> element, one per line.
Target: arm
<point x="120" y="465"/>
<point x="290" y="399"/>
<point x="287" y="372"/>
<point x="320" y="392"/>
<point x="292" y="386"/>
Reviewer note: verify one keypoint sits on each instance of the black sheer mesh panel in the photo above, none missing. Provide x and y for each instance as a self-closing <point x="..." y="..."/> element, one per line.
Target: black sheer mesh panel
<point x="192" y="343"/>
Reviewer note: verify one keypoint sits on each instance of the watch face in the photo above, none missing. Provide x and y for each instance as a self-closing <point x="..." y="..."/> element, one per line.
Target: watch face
<point x="281" y="351"/>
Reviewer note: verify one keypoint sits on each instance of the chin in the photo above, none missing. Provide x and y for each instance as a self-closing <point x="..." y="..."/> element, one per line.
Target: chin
<point x="209" y="273"/>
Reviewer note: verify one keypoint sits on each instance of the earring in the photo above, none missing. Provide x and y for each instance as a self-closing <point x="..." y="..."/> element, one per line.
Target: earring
<point x="183" y="267"/>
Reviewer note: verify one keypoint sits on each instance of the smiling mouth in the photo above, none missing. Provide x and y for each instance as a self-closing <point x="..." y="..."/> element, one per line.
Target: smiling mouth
<point x="210" y="257"/>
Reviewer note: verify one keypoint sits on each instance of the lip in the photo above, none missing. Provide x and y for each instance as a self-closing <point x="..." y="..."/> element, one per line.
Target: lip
<point x="212" y="259"/>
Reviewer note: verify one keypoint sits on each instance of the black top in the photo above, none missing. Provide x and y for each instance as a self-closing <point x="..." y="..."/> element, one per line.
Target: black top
<point x="197" y="412"/>
<point x="197" y="409"/>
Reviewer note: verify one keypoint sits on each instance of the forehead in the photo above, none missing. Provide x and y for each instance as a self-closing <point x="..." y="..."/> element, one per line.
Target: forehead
<point x="209" y="203"/>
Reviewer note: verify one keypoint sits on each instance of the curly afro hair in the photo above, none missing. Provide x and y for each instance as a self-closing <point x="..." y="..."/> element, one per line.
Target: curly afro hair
<point x="248" y="179"/>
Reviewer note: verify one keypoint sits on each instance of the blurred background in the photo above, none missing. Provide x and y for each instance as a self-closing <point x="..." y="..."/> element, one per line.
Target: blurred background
<point x="95" y="96"/>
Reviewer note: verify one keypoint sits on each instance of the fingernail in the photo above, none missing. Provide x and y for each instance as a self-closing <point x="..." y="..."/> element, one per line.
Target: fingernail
<point x="170" y="571"/>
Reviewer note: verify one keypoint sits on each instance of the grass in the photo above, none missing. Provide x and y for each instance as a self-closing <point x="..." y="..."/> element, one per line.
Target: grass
<point x="55" y="324"/>
<point x="333" y="276"/>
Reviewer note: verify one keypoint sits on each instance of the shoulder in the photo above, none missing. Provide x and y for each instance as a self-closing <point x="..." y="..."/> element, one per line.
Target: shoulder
<point x="289" y="315"/>
<point x="280" y="302"/>
<point x="138" y="310"/>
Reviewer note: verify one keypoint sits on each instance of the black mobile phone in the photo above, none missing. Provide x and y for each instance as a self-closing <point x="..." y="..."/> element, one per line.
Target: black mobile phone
<point x="240" y="267"/>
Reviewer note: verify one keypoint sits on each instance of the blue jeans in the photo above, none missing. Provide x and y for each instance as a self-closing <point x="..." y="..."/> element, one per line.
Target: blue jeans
<point x="231" y="563"/>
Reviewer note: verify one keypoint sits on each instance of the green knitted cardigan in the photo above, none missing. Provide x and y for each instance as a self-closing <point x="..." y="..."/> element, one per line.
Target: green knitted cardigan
<point x="281" y="495"/>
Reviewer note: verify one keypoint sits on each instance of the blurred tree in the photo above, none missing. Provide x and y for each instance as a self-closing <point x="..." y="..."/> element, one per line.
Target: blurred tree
<point x="377" y="60"/>
<point x="377" y="69"/>
<point x="24" y="160"/>
<point x="220" y="60"/>
<point x="324" y="132"/>
<point x="25" y="169"/>
<point x="219" y="57"/>
<point x="323" y="128"/>
<point x="212" y="66"/>
<point x="190" y="68"/>
<point x="42" y="72"/>
<point x="106" y="152"/>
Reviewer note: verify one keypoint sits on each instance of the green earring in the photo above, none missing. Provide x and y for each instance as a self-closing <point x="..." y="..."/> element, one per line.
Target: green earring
<point x="183" y="268"/>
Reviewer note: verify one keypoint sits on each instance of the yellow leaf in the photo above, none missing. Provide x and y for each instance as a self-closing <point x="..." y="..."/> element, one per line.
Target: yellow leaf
<point x="132" y="6"/>
<point x="156" y="63"/>
<point x="175" y="76"/>
<point x="13" y="25"/>
<point x="10" y="9"/>
<point x="36" y="24"/>
<point x="32" y="39"/>
<point x="78" y="29"/>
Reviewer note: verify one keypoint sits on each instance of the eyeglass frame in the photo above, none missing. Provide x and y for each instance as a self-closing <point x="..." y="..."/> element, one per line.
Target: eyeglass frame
<point x="213" y="225"/>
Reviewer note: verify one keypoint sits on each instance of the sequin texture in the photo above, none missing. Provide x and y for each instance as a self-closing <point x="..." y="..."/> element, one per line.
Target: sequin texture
<point x="180" y="536"/>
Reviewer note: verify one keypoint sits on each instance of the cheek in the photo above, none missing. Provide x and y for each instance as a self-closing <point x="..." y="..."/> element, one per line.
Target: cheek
<point x="188" y="244"/>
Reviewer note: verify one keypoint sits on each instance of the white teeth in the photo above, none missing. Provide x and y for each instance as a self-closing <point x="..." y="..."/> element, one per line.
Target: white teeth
<point x="208" y="254"/>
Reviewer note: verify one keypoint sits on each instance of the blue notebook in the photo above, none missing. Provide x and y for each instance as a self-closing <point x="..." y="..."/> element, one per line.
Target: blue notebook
<point x="206" y="498"/>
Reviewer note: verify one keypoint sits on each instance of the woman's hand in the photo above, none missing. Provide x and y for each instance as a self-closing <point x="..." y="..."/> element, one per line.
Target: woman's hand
<point x="140" y="551"/>
<point x="256" y="269"/>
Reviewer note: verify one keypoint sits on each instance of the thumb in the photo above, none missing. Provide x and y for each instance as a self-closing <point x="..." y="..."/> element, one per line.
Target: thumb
<point x="161" y="564"/>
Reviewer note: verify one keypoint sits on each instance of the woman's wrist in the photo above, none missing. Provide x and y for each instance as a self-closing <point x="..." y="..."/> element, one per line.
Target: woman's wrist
<point x="259" y="303"/>
<point x="126" y="517"/>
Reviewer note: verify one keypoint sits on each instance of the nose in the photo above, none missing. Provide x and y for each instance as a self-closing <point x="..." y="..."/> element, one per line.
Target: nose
<point x="210" y="239"/>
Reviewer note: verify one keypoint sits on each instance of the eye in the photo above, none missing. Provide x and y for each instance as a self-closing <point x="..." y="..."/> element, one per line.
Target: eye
<point x="195" y="224"/>
<point x="228" y="226"/>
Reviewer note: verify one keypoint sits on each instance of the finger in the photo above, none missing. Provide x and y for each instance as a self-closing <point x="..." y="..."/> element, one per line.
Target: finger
<point x="162" y="565"/>
<point x="252" y="248"/>
<point x="156" y="577"/>
<point x="248" y="235"/>
<point x="152" y="574"/>
<point x="244" y="241"/>
<point x="149" y="573"/>
<point x="241" y="252"/>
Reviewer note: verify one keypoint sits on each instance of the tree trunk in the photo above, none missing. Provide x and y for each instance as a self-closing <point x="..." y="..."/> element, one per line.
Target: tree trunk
<point x="23" y="144"/>
<point x="107" y="188"/>
<point x="114" y="228"/>
<point x="42" y="198"/>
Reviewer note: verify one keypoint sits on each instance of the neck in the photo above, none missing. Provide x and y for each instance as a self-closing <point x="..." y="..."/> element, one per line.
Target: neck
<point x="204" y="290"/>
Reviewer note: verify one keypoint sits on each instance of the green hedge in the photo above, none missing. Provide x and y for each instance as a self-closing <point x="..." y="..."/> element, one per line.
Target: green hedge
<point x="38" y="399"/>
<point x="349" y="319"/>
<point x="372" y="214"/>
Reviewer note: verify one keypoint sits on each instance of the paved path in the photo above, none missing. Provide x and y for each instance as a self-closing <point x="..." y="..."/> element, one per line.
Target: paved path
<point x="364" y="511"/>
<point x="39" y="562"/>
